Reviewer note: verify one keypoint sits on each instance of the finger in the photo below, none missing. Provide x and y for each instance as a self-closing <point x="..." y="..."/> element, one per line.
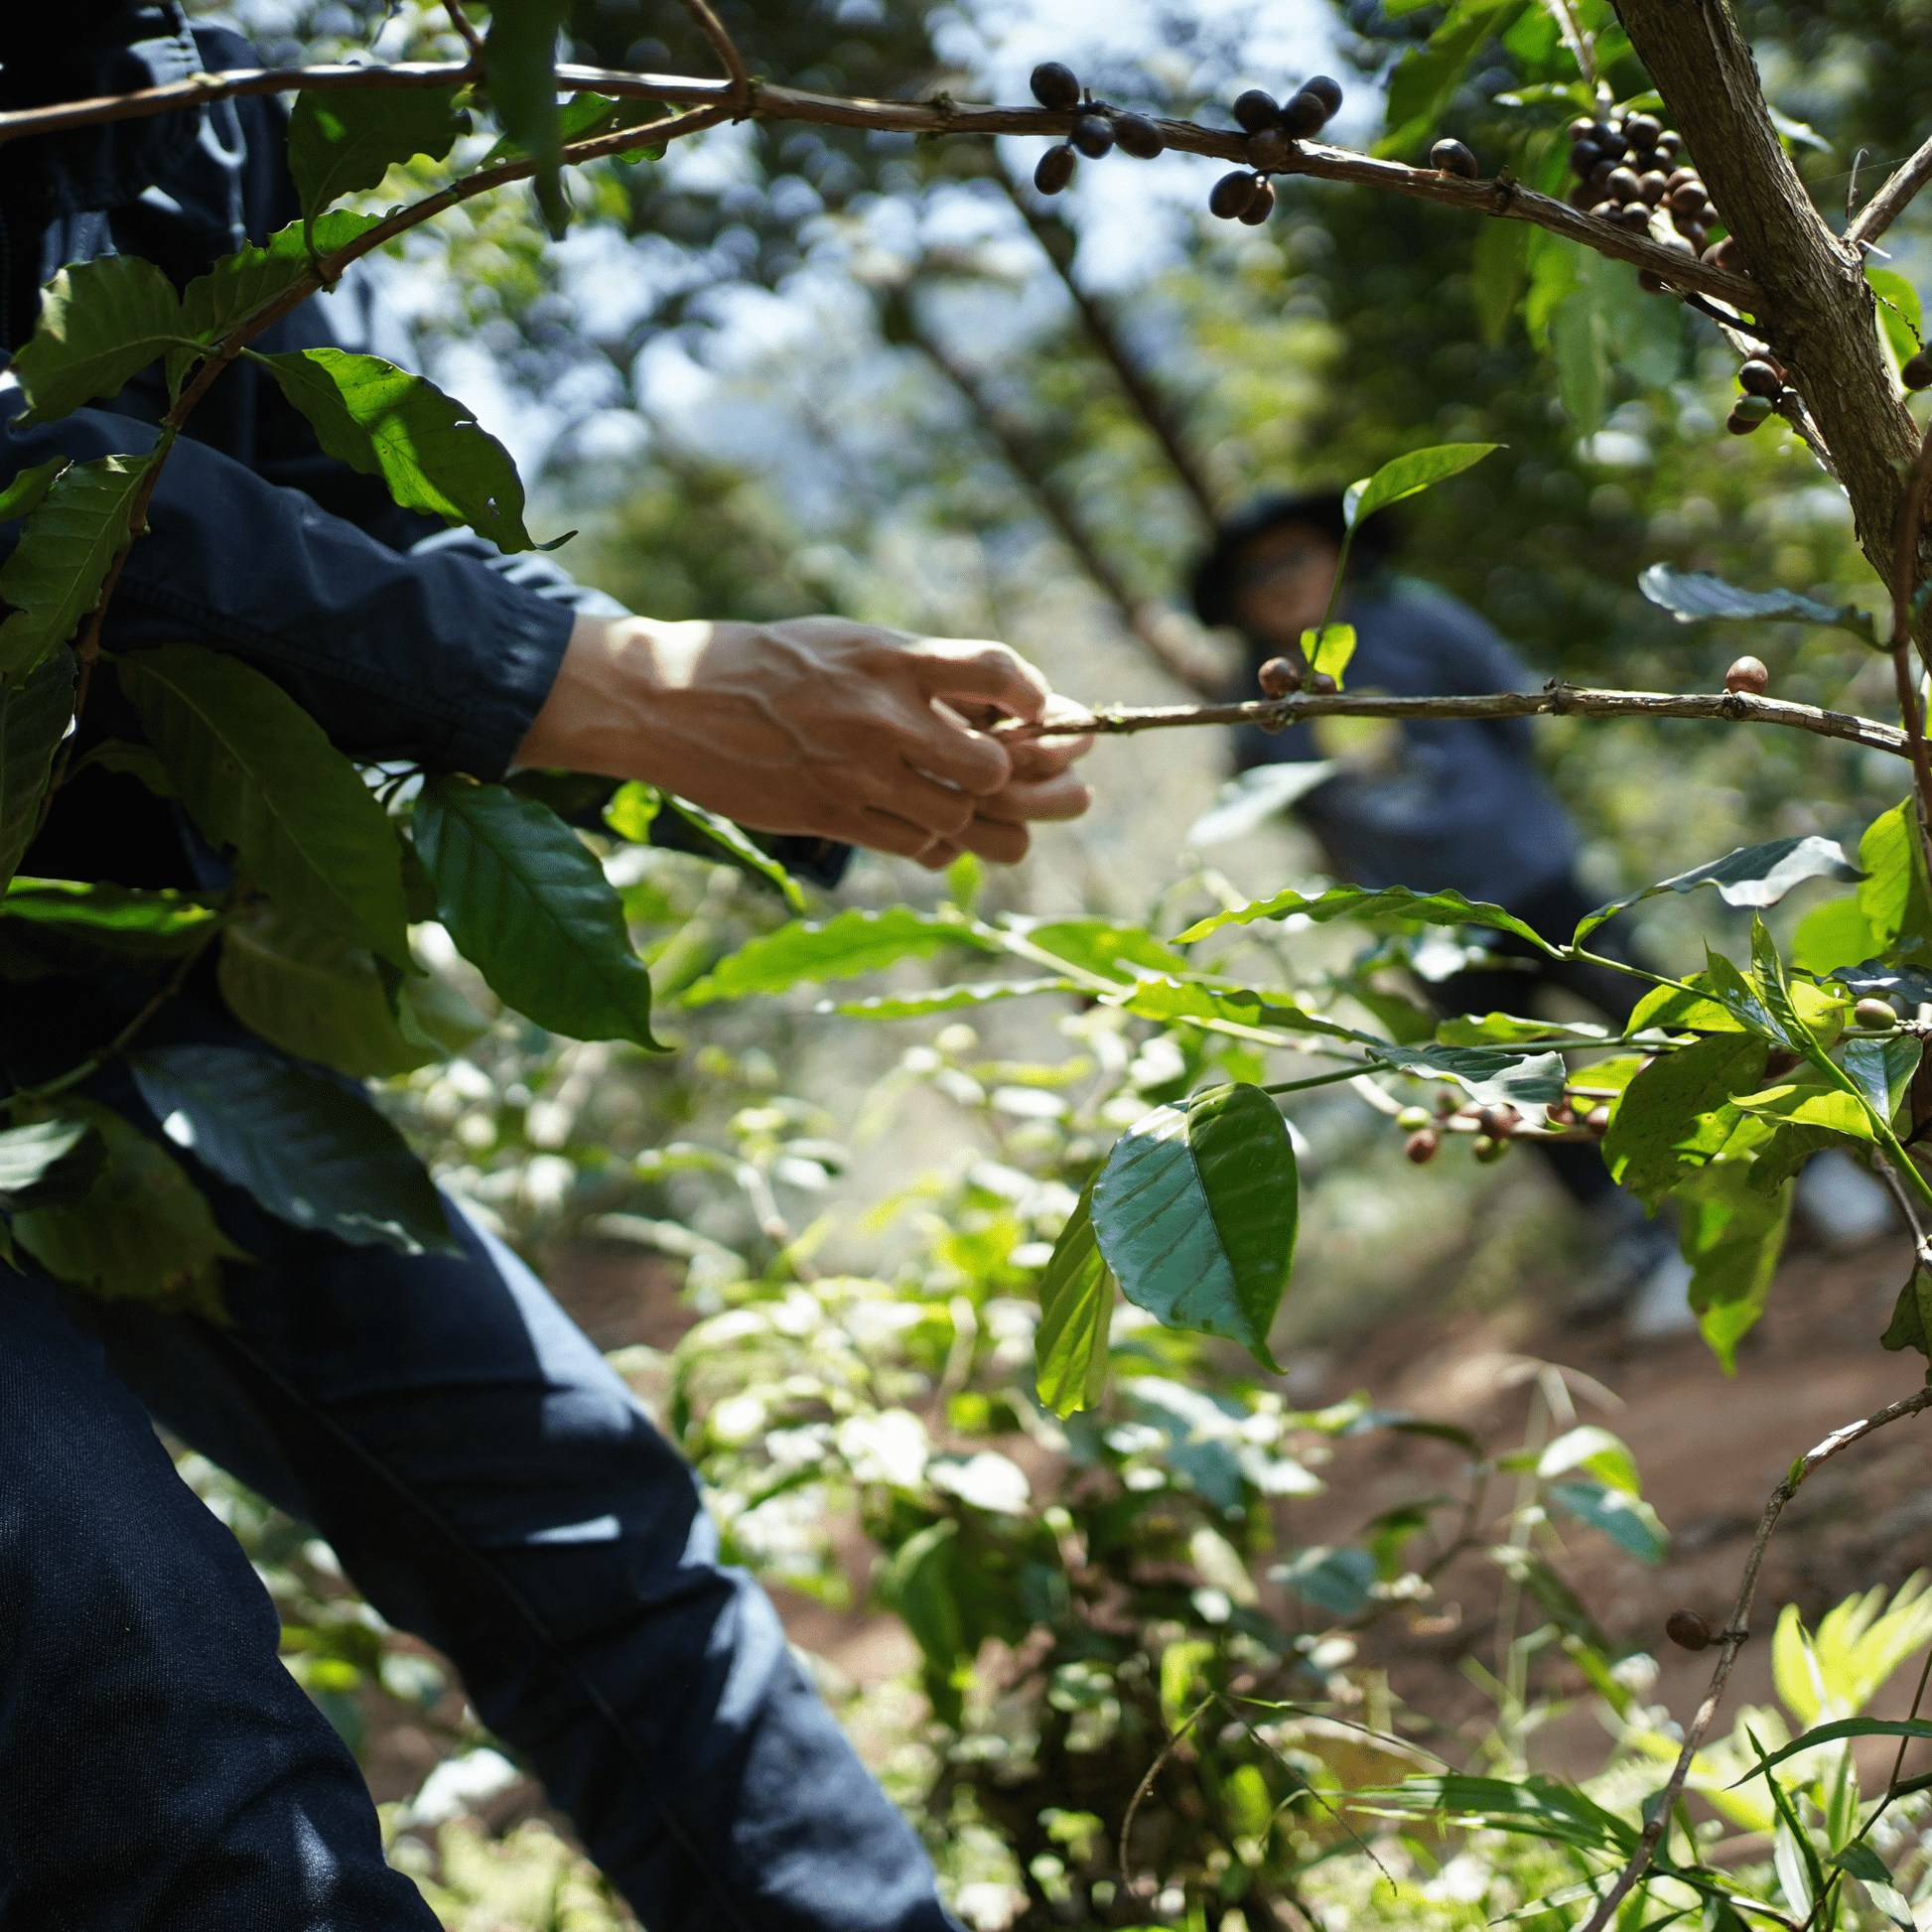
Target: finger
<point x="1036" y="758"/>
<point x="1050" y="798"/>
<point x="952" y="667"/>
<point x="997" y="841"/>
<point x="886" y="832"/>
<point x="943" y="747"/>
<point x="939" y="854"/>
<point x="943" y="810"/>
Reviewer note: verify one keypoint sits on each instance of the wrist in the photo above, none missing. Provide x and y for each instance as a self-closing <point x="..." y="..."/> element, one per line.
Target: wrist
<point x="607" y="703"/>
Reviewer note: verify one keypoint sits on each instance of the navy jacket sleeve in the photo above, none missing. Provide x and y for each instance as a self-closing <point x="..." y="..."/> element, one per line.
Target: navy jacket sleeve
<point x="430" y="656"/>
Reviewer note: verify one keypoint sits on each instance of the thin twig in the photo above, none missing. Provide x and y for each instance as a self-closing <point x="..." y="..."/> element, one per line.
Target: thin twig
<point x="722" y="44"/>
<point x="462" y="23"/>
<point x="1734" y="1637"/>
<point x="1507" y="201"/>
<point x="1889" y="203"/>
<point x="1560" y="700"/>
<point x="1154" y="1770"/>
<point x="1904" y="579"/>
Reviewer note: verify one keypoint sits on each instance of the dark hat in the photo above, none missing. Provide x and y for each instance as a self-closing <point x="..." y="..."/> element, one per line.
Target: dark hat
<point x="1319" y="510"/>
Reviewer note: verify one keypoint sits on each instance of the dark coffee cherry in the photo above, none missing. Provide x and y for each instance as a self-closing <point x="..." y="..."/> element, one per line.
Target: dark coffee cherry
<point x="1232" y="193"/>
<point x="1625" y="186"/>
<point x="1759" y="378"/>
<point x="1600" y="176"/>
<point x="1582" y="197"/>
<point x="1670" y="144"/>
<point x="1875" y="1015"/>
<point x="1727" y="254"/>
<point x="1056" y="170"/>
<point x="1652" y="185"/>
<point x="1678" y="177"/>
<point x="1635" y="216"/>
<point x="1453" y="158"/>
<point x="1642" y="131"/>
<point x="1326" y="91"/>
<point x="1055" y="86"/>
<point x="1092" y="136"/>
<point x="1321" y="685"/>
<point x="1582" y="129"/>
<point x="1749" y="675"/>
<point x="1689" y="198"/>
<point x="1135" y="134"/>
<point x="1420" y="1146"/>
<point x="1917" y="372"/>
<point x="1256" y="111"/>
<point x="1269" y="152"/>
<point x="1584" y="157"/>
<point x="1606" y="210"/>
<point x="1687" y="1630"/>
<point x="1742" y="420"/>
<point x="1697" y="235"/>
<point x="1303" y="116"/>
<point x="1281" y="677"/>
<point x="1261" y="206"/>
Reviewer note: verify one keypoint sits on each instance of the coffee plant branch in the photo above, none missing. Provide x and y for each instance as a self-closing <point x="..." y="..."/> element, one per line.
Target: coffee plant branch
<point x="1912" y="515"/>
<point x="466" y="31"/>
<point x="1503" y="196"/>
<point x="1556" y="699"/>
<point x="743" y="88"/>
<point x="1890" y="201"/>
<point x="1731" y="1639"/>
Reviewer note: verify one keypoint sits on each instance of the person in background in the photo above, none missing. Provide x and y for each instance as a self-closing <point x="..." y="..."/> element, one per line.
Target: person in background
<point x="1436" y="804"/>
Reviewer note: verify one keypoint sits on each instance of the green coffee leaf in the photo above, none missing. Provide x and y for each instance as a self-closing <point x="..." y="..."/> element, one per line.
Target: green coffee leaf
<point x="736" y="848"/>
<point x="47" y="1163"/>
<point x="1869" y="1869"/>
<point x="1076" y="1298"/>
<point x="101" y="321"/>
<point x="260" y="776"/>
<point x="1409" y="476"/>
<point x="1911" y="1315"/>
<point x="343" y="140"/>
<point x="1832" y="1734"/>
<point x="1884" y="976"/>
<point x="1669" y="1118"/>
<point x="1899" y="309"/>
<point x="1882" y="1069"/>
<point x="529" y="907"/>
<point x="838" y="948"/>
<point x="121" y="920"/>
<point x="943" y="999"/>
<point x="519" y="60"/>
<point x="1122" y="953"/>
<point x="35" y="713"/>
<point x="1535" y="1806"/>
<point x="1627" y="1520"/>
<point x="142" y="1233"/>
<point x="1171" y="999"/>
<point x="1598" y="1452"/>
<point x="240" y="285"/>
<point x="1497" y="1076"/>
<point x="1359" y="902"/>
<point x="1551" y="1596"/>
<point x="1894" y="895"/>
<point x="1832" y="936"/>
<point x="1733" y="1235"/>
<point x="1498" y="269"/>
<point x="1196" y="1213"/>
<point x="1330" y="649"/>
<point x="1806" y="1105"/>
<point x="1752" y="875"/>
<point x="315" y="993"/>
<point x="1691" y="596"/>
<point x="1426" y="79"/>
<point x="309" y="1148"/>
<point x="24" y="493"/>
<point x="53" y="577"/>
<point x="425" y="446"/>
<point x="1335" y="1579"/>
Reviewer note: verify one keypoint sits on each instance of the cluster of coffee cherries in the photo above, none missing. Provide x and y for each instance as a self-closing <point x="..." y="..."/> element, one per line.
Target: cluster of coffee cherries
<point x="1629" y="167"/>
<point x="1099" y="130"/>
<point x="1272" y="127"/>
<point x="1494" y="1128"/>
<point x="1764" y="381"/>
<point x="1282" y="677"/>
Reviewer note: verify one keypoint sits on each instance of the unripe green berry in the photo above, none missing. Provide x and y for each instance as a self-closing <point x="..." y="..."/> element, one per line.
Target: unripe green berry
<point x="1875" y="1014"/>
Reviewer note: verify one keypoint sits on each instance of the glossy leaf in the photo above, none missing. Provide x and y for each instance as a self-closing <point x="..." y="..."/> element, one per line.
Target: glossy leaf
<point x="239" y="285"/>
<point x="1077" y="1298"/>
<point x="1692" y="595"/>
<point x="1895" y="895"/>
<point x="1597" y="1452"/>
<point x="53" y="577"/>
<point x="1627" y="1520"/>
<point x="738" y="848"/>
<point x="839" y="948"/>
<point x="1195" y="1213"/>
<point x="47" y="1163"/>
<point x="519" y="60"/>
<point x="1733" y="1235"/>
<point x="425" y="446"/>
<point x="346" y="139"/>
<point x="309" y="1148"/>
<point x="260" y="776"/>
<point x="1496" y="1075"/>
<point x="531" y="908"/>
<point x="1882" y="1069"/>
<point x="1667" y="1121"/>
<point x="101" y="321"/>
<point x="1359" y="902"/>
<point x="1410" y="475"/>
<point x="35" y="713"/>
<point x="1752" y="875"/>
<point x="135" y="923"/>
<point x="316" y="994"/>
<point x="28" y="488"/>
<point x="1881" y="976"/>
<point x="1170" y="1000"/>
<point x="142" y="1233"/>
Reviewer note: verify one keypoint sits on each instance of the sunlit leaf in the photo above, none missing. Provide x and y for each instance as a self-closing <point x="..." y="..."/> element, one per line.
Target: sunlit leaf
<point x="1694" y="596"/>
<point x="1882" y="1069"/>
<point x="309" y="1148"/>
<point x="241" y="284"/>
<point x="29" y="485"/>
<point x="1733" y="1235"/>
<point x="1667" y="1120"/>
<point x="1627" y="1520"/>
<point x="842" y="947"/>
<point x="1497" y="1076"/>
<point x="101" y="321"/>
<point x="345" y="139"/>
<point x="1409" y="476"/>
<point x="1195" y="1213"/>
<point x="47" y="1163"/>
<point x="1359" y="902"/>
<point x="531" y="908"/>
<point x="1329" y="651"/>
<point x="260" y="776"/>
<point x="122" y="919"/>
<point x="1752" y="875"/>
<point x="1895" y="895"/>
<point x="1076" y="1295"/>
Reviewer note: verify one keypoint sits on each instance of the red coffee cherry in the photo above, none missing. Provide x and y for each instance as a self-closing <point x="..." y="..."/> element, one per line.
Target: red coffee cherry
<point x="1281" y="677"/>
<point x="1748" y="674"/>
<point x="1687" y="1630"/>
<point x="1420" y="1146"/>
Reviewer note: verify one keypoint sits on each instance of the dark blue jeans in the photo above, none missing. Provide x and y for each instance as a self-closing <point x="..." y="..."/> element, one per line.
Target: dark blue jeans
<point x="491" y="1486"/>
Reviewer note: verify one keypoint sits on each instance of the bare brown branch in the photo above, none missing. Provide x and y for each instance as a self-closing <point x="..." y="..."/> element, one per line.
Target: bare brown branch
<point x="1734" y="1637"/>
<point x="465" y="29"/>
<point x="722" y="44"/>
<point x="1504" y="197"/>
<point x="1889" y="203"/>
<point x="1559" y="700"/>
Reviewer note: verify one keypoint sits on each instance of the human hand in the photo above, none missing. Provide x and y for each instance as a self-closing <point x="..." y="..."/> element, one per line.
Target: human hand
<point x="817" y="725"/>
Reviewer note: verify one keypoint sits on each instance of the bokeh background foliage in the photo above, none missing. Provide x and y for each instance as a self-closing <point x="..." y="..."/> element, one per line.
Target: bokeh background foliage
<point x="789" y="369"/>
